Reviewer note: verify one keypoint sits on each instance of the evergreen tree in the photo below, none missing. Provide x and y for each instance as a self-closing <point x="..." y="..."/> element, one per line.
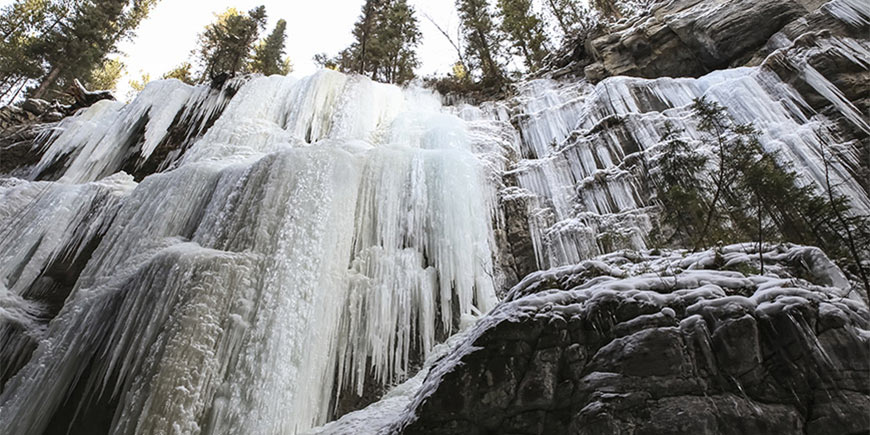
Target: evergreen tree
<point x="81" y="36"/>
<point x="752" y="195"/>
<point x="525" y="30"/>
<point x="21" y="25"/>
<point x="680" y="183"/>
<point x="364" y="32"/>
<point x="225" y="46"/>
<point x="566" y="12"/>
<point x="395" y="43"/>
<point x="182" y="72"/>
<point x="385" y="40"/>
<point x="483" y="49"/>
<point x="106" y="77"/>
<point x="269" y="53"/>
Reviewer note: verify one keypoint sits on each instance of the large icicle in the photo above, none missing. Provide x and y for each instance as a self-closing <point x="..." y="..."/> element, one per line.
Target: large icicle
<point x="322" y="226"/>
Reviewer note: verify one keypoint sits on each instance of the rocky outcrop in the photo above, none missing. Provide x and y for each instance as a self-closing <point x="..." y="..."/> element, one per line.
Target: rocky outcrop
<point x="663" y="344"/>
<point x="690" y="38"/>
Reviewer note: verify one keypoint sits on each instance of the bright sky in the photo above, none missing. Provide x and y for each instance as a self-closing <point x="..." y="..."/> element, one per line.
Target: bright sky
<point x="167" y="37"/>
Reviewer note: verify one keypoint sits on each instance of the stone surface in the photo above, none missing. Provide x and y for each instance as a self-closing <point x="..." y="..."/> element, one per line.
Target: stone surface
<point x="647" y="351"/>
<point x="690" y="38"/>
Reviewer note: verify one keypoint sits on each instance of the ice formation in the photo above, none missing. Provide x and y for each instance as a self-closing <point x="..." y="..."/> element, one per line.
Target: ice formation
<point x="321" y="226"/>
<point x="239" y="260"/>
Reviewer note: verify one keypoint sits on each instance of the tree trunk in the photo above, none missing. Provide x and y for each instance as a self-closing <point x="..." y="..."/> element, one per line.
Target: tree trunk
<point x="760" y="234"/>
<point x="47" y="82"/>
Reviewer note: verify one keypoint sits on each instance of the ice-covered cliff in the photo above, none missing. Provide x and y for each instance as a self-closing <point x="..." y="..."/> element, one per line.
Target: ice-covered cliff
<point x="267" y="256"/>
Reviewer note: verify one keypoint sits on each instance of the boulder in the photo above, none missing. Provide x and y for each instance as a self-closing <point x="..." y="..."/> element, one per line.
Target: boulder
<point x="661" y="349"/>
<point x="36" y="106"/>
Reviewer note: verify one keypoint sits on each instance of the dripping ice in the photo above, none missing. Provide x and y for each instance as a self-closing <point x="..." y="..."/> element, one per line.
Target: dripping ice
<point x="327" y="233"/>
<point x="324" y="225"/>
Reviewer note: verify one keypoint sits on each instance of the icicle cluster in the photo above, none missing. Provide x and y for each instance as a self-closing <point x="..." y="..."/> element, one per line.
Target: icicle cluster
<point x="321" y="226"/>
<point x="582" y="175"/>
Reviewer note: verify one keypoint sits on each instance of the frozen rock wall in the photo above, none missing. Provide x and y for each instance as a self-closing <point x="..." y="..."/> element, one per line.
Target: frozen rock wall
<point x="267" y="256"/>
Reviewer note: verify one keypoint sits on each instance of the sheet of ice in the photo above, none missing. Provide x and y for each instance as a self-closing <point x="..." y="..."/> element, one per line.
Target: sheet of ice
<point x="321" y="230"/>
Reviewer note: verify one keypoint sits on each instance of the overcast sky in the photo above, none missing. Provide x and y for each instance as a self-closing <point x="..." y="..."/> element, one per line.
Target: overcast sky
<point x="167" y="37"/>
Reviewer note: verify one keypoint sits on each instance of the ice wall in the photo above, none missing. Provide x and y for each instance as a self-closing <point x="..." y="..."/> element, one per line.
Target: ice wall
<point x="322" y="234"/>
<point x="242" y="259"/>
<point x="586" y="149"/>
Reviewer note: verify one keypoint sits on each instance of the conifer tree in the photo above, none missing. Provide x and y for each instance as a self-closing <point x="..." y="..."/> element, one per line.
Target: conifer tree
<point x="81" y="36"/>
<point x="268" y="56"/>
<point x="385" y="40"/>
<point x="752" y="195"/>
<point x="22" y="23"/>
<point x="182" y="72"/>
<point x="525" y="30"/>
<point x="225" y="46"/>
<point x="679" y="179"/>
<point x="483" y="49"/>
<point x="395" y="43"/>
<point x="364" y="32"/>
<point x="566" y="12"/>
<point x="106" y="77"/>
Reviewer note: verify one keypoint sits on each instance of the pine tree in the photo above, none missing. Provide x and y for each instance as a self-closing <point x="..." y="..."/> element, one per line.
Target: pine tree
<point x="81" y="36"/>
<point x="182" y="72"/>
<point x="225" y="46"/>
<point x="268" y="56"/>
<point x="106" y="77"/>
<point x="483" y="49"/>
<point x="395" y="43"/>
<point x="386" y="37"/>
<point x="566" y="12"/>
<point x="21" y="24"/>
<point x="525" y="30"/>
<point x="679" y="179"/>
<point x="364" y="32"/>
<point x="757" y="197"/>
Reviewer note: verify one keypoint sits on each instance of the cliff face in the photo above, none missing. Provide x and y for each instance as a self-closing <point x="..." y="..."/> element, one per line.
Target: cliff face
<point x="673" y="343"/>
<point x="267" y="256"/>
<point x="670" y="343"/>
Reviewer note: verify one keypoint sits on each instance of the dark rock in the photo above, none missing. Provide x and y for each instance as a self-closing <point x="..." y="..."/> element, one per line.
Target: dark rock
<point x="36" y="106"/>
<point x="730" y="365"/>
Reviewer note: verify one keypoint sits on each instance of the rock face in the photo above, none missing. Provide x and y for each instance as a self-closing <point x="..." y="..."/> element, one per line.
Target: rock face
<point x="690" y="38"/>
<point x="663" y="344"/>
<point x="204" y="259"/>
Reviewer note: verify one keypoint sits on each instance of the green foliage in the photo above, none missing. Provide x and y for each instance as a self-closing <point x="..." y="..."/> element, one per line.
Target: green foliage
<point x="106" y="77"/>
<point x="483" y="51"/>
<point x="567" y="13"/>
<point x="681" y="187"/>
<point x="751" y="195"/>
<point x="50" y="43"/>
<point x="80" y="37"/>
<point x="268" y="56"/>
<point x="525" y="30"/>
<point x="386" y="37"/>
<point x="137" y="85"/>
<point x="225" y="46"/>
<point x="182" y="72"/>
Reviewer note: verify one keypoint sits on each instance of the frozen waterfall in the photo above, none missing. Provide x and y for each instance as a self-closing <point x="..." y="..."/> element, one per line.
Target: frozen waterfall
<point x="323" y="231"/>
<point x="246" y="259"/>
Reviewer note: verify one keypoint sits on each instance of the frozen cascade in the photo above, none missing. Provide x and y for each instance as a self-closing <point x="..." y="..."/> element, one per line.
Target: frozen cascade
<point x="585" y="147"/>
<point x="293" y="241"/>
<point x="243" y="259"/>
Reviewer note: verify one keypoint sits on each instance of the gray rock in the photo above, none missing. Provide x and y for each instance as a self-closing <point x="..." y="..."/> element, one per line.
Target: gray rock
<point x="36" y="106"/>
<point x="626" y="366"/>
